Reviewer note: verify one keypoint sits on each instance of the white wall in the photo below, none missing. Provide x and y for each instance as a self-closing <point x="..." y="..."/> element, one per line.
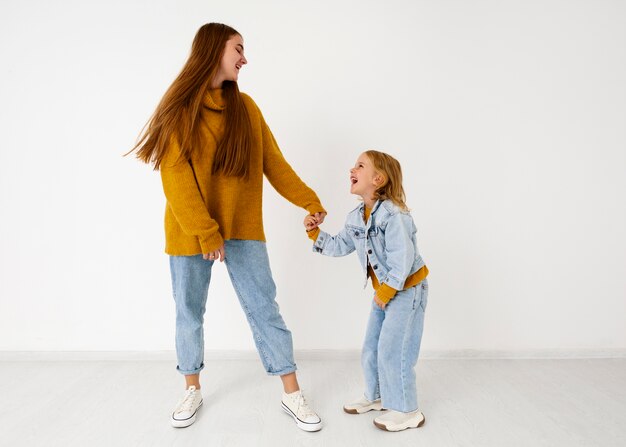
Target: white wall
<point x="508" y="117"/>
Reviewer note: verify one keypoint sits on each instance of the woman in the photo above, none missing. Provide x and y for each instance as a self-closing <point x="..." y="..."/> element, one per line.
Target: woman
<point x="212" y="147"/>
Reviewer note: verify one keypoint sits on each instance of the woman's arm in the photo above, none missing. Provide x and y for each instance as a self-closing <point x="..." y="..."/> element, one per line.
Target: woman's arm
<point x="282" y="176"/>
<point x="185" y="200"/>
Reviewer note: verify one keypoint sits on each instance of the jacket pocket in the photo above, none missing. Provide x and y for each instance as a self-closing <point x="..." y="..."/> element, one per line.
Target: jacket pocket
<point x="356" y="232"/>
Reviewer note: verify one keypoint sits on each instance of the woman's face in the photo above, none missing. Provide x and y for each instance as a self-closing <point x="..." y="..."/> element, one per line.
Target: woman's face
<point x="232" y="61"/>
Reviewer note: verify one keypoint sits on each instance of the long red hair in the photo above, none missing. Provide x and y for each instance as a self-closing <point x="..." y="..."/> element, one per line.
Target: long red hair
<point x="178" y="115"/>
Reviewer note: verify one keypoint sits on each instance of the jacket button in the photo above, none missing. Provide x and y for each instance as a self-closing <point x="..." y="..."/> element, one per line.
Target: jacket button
<point x="369" y="252"/>
<point x="356" y="233"/>
<point x="376" y="266"/>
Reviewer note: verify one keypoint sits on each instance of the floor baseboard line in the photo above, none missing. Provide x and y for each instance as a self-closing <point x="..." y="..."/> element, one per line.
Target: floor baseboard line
<point x="312" y="354"/>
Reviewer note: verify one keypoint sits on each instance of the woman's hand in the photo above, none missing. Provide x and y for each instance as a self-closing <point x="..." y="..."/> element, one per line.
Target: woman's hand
<point x="220" y="254"/>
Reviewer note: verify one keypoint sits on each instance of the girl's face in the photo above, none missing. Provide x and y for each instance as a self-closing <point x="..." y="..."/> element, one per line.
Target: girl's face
<point x="364" y="180"/>
<point x="232" y="61"/>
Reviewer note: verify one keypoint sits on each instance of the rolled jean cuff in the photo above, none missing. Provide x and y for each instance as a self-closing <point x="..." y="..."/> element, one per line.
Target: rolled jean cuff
<point x="190" y="372"/>
<point x="284" y="371"/>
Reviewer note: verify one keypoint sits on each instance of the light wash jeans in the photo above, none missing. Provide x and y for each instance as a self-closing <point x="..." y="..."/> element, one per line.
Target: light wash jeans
<point x="391" y="348"/>
<point x="248" y="266"/>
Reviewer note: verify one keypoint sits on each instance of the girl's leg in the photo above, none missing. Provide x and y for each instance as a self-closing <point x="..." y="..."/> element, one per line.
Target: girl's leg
<point x="399" y="346"/>
<point x="248" y="266"/>
<point x="369" y="353"/>
<point x="190" y="284"/>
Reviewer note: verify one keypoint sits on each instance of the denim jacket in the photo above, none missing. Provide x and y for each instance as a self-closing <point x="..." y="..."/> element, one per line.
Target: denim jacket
<point x="387" y="241"/>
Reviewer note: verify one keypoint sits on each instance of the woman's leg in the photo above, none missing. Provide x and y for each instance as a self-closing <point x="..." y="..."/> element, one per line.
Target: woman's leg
<point x="248" y="266"/>
<point x="249" y="270"/>
<point x="192" y="380"/>
<point x="190" y="283"/>
<point x="290" y="382"/>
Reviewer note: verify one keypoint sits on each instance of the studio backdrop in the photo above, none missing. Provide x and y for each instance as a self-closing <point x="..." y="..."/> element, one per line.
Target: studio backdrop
<point x="508" y="118"/>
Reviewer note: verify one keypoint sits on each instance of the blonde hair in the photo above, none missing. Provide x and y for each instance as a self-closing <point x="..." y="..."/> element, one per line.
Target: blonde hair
<point x="389" y="168"/>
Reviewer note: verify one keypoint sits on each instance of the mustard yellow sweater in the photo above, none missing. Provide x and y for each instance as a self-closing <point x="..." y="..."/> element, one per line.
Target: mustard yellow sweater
<point x="204" y="209"/>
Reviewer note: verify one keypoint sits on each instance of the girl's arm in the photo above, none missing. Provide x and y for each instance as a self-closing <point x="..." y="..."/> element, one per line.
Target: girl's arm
<point x="185" y="200"/>
<point x="400" y="250"/>
<point x="339" y="245"/>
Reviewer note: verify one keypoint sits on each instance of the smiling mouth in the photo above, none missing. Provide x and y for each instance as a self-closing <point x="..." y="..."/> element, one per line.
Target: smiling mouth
<point x="238" y="67"/>
<point x="353" y="180"/>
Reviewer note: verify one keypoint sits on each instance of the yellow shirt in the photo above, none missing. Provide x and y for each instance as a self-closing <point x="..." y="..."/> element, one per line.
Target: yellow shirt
<point x="204" y="209"/>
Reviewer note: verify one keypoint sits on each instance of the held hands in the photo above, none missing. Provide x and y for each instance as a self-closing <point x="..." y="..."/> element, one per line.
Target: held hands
<point x="312" y="221"/>
<point x="220" y="254"/>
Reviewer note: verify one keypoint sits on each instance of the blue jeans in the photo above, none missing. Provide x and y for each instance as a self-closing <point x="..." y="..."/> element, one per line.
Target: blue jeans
<point x="249" y="269"/>
<point x="391" y="348"/>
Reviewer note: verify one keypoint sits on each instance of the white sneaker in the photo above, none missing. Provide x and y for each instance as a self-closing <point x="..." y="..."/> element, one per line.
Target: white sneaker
<point x="363" y="406"/>
<point x="298" y="408"/>
<point x="185" y="413"/>
<point x="396" y="421"/>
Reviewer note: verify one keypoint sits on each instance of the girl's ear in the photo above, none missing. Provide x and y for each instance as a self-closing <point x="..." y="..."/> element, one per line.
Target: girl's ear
<point x="379" y="180"/>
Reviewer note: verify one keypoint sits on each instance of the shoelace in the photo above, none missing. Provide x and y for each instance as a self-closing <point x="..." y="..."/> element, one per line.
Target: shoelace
<point x="303" y="407"/>
<point x="187" y="403"/>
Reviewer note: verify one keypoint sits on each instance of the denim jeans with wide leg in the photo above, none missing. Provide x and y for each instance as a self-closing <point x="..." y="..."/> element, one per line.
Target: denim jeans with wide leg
<point x="391" y="348"/>
<point x="248" y="266"/>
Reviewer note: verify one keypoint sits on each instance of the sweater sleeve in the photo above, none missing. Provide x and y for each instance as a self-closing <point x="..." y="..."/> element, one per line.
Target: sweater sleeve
<point x="313" y="234"/>
<point x="282" y="176"/>
<point x="184" y="199"/>
<point x="385" y="293"/>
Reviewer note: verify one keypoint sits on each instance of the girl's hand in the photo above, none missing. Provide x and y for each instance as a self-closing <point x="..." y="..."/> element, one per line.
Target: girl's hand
<point x="319" y="217"/>
<point x="310" y="222"/>
<point x="220" y="254"/>
<point x="380" y="303"/>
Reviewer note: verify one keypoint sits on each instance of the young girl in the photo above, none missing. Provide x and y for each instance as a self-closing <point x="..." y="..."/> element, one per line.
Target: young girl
<point x="213" y="147"/>
<point x="382" y="232"/>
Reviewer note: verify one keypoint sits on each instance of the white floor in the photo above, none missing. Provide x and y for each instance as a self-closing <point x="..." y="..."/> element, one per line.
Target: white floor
<point x="502" y="403"/>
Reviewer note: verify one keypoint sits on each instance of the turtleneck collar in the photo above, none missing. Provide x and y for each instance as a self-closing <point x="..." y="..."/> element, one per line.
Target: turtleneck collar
<point x="214" y="100"/>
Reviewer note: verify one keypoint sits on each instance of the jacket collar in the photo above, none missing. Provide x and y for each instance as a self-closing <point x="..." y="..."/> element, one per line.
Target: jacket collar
<point x="374" y="208"/>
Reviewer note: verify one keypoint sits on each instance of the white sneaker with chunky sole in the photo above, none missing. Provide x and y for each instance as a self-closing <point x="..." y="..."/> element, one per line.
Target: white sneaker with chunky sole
<point x="296" y="406"/>
<point x="363" y="406"/>
<point x="392" y="420"/>
<point x="185" y="413"/>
